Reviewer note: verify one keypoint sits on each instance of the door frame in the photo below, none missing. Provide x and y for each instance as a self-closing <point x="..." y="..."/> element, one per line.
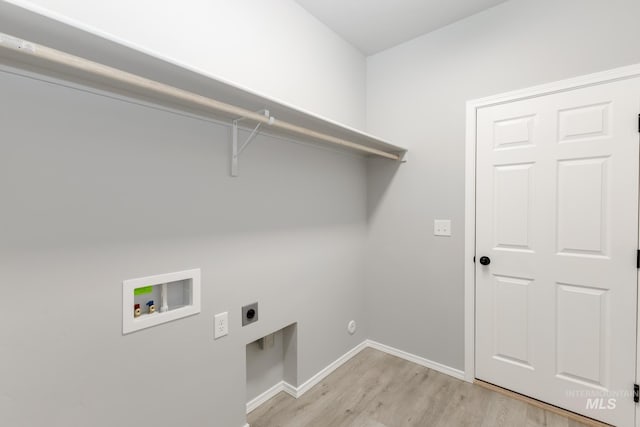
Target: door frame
<point x="472" y="107"/>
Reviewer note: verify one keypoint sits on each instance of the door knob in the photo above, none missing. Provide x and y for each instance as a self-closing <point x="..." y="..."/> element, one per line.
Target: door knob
<point x="485" y="260"/>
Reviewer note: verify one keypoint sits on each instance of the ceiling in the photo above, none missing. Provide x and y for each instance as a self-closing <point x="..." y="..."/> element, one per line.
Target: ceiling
<point x="375" y="25"/>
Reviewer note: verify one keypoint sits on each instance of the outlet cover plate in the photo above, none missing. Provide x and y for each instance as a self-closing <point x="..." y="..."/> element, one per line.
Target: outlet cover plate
<point x="247" y="318"/>
<point x="221" y="325"/>
<point x="442" y="227"/>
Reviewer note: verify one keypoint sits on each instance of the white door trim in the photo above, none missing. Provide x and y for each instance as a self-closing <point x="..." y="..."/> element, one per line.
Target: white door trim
<point x="470" y="187"/>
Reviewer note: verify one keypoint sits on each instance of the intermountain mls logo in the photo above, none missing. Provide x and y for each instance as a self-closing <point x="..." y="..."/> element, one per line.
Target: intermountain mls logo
<point x="601" y="403"/>
<point x="600" y="400"/>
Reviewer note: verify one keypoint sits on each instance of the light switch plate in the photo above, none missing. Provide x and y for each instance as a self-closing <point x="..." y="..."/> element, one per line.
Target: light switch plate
<point x="221" y="325"/>
<point x="442" y="227"/>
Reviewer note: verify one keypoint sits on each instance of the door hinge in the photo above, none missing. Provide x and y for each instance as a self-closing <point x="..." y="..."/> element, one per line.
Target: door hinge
<point x="638" y="122"/>
<point x="636" y="393"/>
<point x="638" y="259"/>
<point x="474" y="259"/>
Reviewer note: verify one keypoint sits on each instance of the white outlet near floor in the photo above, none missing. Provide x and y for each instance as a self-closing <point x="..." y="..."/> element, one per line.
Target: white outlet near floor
<point x="442" y="227"/>
<point x="351" y="327"/>
<point x="221" y="325"/>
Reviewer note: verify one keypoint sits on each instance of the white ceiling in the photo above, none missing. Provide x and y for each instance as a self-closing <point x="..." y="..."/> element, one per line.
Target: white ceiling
<point x="375" y="25"/>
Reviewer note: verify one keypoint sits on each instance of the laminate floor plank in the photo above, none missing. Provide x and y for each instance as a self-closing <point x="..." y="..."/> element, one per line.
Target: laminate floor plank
<point x="467" y="405"/>
<point x="504" y="411"/>
<point x="345" y="398"/>
<point x="374" y="389"/>
<point x="538" y="417"/>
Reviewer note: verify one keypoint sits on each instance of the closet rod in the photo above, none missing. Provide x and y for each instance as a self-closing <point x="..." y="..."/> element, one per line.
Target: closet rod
<point x="43" y="57"/>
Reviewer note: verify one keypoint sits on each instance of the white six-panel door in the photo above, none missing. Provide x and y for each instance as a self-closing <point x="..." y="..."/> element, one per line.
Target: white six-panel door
<point x="557" y="215"/>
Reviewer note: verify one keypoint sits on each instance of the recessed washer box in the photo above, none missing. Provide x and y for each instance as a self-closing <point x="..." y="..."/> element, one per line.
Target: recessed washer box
<point x="153" y="300"/>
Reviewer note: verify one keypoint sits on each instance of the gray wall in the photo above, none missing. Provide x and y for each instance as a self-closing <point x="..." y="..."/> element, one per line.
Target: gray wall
<point x="96" y="190"/>
<point x="273" y="47"/>
<point x="416" y="96"/>
<point x="265" y="366"/>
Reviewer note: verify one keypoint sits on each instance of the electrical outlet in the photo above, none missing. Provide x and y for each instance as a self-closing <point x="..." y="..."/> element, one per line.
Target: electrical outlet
<point x="249" y="314"/>
<point x="221" y="325"/>
<point x="351" y="327"/>
<point x="442" y="227"/>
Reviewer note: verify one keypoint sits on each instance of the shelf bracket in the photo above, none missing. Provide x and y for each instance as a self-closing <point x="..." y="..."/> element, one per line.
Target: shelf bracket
<point x="237" y="148"/>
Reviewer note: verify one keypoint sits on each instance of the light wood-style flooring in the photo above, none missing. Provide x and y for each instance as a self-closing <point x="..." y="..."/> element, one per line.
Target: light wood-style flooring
<point x="375" y="389"/>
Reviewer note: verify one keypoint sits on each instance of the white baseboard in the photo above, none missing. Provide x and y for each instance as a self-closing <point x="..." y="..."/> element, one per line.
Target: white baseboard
<point x="317" y="378"/>
<point x="289" y="389"/>
<point x="257" y="401"/>
<point x="296" y="392"/>
<point x="456" y="373"/>
<point x="279" y="387"/>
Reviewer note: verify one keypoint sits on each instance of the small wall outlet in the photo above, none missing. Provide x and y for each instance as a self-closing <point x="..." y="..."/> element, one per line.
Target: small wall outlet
<point x="249" y="314"/>
<point x="442" y="227"/>
<point x="221" y="325"/>
<point x="351" y="327"/>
